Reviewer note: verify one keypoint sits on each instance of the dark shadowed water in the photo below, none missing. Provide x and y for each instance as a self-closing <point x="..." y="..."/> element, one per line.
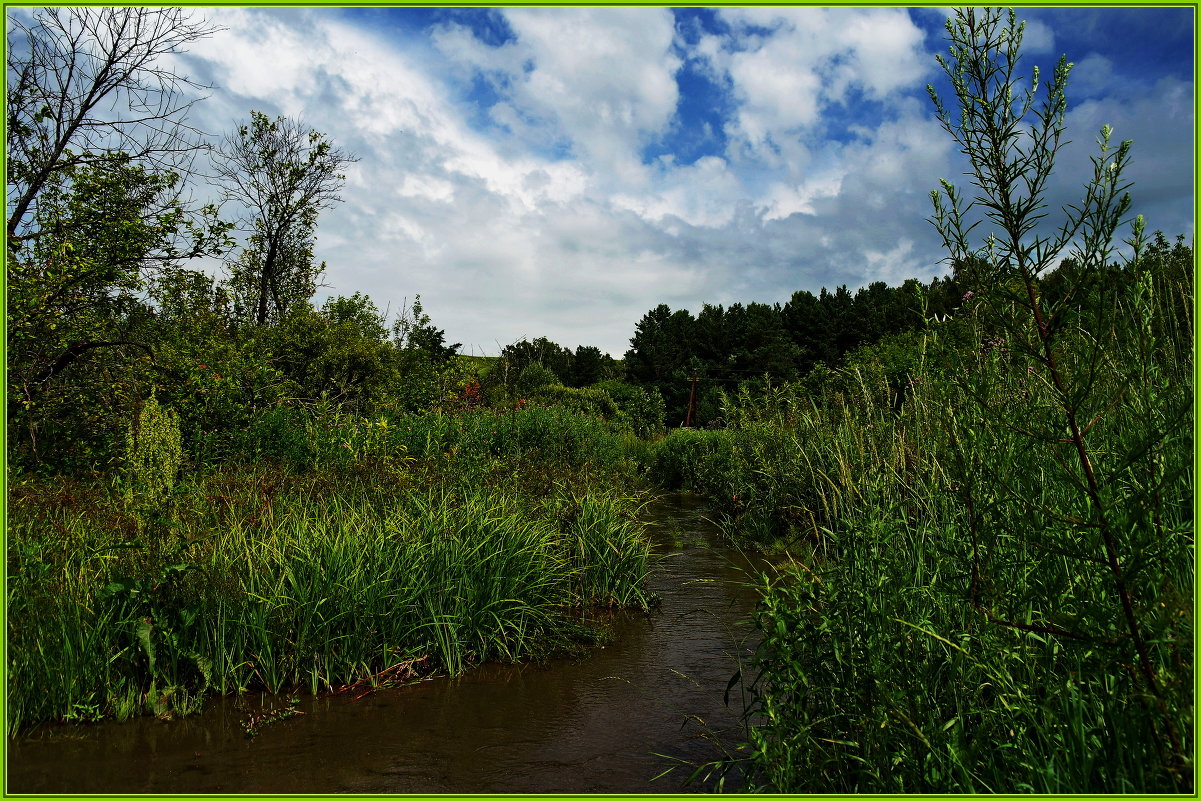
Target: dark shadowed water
<point x="588" y="725"/>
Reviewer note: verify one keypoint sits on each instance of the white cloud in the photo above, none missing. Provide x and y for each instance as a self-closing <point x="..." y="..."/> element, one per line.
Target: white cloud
<point x="704" y="193"/>
<point x="539" y="215"/>
<point x="783" y="201"/>
<point x="602" y="78"/>
<point x="811" y="59"/>
<point x="1038" y="38"/>
<point x="1092" y="76"/>
<point x="1160" y="121"/>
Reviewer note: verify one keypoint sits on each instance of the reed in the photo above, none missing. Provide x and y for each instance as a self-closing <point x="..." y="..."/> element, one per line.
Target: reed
<point x="276" y="579"/>
<point x="1007" y="603"/>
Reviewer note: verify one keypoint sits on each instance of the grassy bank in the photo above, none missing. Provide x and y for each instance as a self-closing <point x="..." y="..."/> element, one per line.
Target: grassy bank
<point x="367" y="545"/>
<point x="973" y="606"/>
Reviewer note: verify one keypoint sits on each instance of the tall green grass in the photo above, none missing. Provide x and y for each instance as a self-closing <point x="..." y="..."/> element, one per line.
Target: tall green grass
<point x="951" y="624"/>
<point x="261" y="578"/>
<point x="954" y="621"/>
<point x="788" y="466"/>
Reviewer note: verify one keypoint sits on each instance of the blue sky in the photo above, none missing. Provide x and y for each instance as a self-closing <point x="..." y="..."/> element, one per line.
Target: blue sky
<point x="538" y="171"/>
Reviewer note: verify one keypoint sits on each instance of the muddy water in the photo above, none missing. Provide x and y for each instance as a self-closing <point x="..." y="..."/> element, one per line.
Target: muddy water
<point x="604" y="723"/>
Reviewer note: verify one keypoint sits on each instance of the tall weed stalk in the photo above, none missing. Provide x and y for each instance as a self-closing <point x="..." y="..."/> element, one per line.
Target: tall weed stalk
<point x="1107" y="416"/>
<point x="1008" y="608"/>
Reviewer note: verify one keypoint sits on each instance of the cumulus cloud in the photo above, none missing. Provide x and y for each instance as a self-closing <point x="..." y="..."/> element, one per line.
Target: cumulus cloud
<point x="601" y="78"/>
<point x="809" y="60"/>
<point x="529" y="185"/>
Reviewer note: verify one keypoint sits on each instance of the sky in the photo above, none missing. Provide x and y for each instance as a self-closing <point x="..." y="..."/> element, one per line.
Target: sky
<point x="558" y="172"/>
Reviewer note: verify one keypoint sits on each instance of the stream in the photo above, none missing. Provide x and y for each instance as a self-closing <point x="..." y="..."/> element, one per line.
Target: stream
<point x="607" y="722"/>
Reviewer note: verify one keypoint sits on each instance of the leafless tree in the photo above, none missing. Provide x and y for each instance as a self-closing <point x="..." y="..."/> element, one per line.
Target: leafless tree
<point x="284" y="174"/>
<point x="84" y="83"/>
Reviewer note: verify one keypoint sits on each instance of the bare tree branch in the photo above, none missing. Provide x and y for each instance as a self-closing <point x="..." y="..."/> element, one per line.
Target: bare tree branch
<point x="284" y="174"/>
<point x="84" y="83"/>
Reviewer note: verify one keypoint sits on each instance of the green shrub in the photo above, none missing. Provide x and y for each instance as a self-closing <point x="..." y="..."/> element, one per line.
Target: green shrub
<point x="592" y="402"/>
<point x="533" y="378"/>
<point x="643" y="409"/>
<point x="152" y="458"/>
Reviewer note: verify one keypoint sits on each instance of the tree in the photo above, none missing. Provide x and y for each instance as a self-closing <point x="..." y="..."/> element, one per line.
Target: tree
<point x="663" y="341"/>
<point x="97" y="143"/>
<point x="767" y="348"/>
<point x="84" y="83"/>
<point x="516" y="357"/>
<point x="415" y="333"/>
<point x="285" y="175"/>
<point x="74" y="298"/>
<point x="428" y="372"/>
<point x="643" y="409"/>
<point x="296" y="276"/>
<point x="340" y="353"/>
<point x="589" y="365"/>
<point x="805" y="321"/>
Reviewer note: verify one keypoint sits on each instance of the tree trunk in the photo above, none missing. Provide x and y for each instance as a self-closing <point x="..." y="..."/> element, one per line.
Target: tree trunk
<point x="265" y="279"/>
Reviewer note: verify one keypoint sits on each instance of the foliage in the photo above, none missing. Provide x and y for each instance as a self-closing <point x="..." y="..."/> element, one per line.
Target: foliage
<point x="586" y="365"/>
<point x="778" y="474"/>
<point x="534" y="378"/>
<point x="71" y="72"/>
<point x="1078" y="351"/>
<point x="478" y="539"/>
<point x="641" y="408"/>
<point x="725" y="347"/>
<point x="999" y="601"/>
<point x="217" y="379"/>
<point x="76" y="344"/>
<point x="296" y="277"/>
<point x="589" y="365"/>
<point x="152" y="457"/>
<point x="95" y="210"/>
<point x="585" y="401"/>
<point x="339" y="353"/>
<point x="517" y="357"/>
<point x="429" y="374"/>
<point x="414" y="332"/>
<point x="984" y="484"/>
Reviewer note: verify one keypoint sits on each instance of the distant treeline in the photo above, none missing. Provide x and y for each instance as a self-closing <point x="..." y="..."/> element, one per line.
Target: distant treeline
<point x="723" y="347"/>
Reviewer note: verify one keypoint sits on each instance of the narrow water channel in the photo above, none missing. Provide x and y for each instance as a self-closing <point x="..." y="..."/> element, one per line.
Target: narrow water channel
<point x="604" y="723"/>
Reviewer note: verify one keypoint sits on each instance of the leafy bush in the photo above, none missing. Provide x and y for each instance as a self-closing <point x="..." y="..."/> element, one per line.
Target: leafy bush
<point x="533" y="378"/>
<point x="592" y="402"/>
<point x="152" y="458"/>
<point x="643" y="409"/>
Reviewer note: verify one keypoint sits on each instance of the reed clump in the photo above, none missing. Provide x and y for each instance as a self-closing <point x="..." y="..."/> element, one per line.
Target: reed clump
<point x="318" y="575"/>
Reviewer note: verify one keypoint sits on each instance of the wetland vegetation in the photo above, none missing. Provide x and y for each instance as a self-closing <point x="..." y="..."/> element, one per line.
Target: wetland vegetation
<point x="982" y="487"/>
